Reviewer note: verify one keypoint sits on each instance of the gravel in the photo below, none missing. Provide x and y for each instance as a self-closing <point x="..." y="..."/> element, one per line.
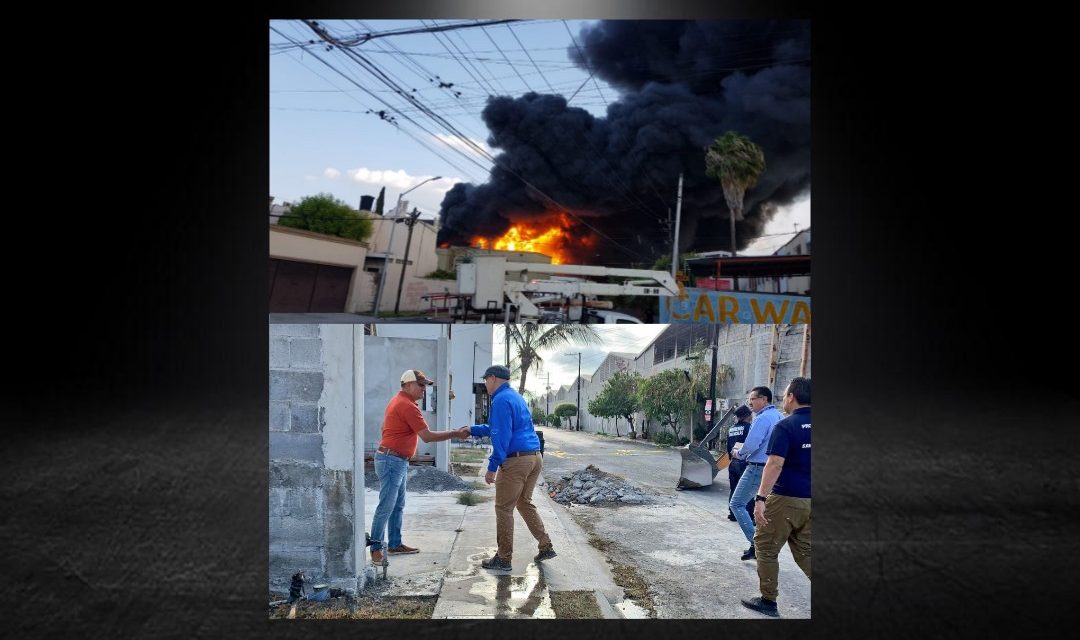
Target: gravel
<point x="593" y="486"/>
<point x="422" y="479"/>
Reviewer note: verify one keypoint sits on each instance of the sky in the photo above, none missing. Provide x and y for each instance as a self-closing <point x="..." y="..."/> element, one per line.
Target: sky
<point x="326" y="133"/>
<point x="624" y="338"/>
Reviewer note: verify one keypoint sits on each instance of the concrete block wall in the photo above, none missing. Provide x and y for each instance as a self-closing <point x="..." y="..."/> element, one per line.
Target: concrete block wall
<point x="311" y="479"/>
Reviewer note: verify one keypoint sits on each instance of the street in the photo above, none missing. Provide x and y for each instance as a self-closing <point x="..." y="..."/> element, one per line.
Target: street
<point x="683" y="545"/>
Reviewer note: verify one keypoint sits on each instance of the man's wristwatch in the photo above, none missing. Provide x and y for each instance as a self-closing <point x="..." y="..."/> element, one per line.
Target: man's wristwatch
<point x="760" y="498"/>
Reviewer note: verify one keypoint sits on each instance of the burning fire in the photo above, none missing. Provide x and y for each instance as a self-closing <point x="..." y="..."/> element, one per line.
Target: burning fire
<point x="552" y="236"/>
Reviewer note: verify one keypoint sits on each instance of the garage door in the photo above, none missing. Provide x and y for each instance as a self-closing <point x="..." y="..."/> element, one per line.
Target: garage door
<point x="305" y="287"/>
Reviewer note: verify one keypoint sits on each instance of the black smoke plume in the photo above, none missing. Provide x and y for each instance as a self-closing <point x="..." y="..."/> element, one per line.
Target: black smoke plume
<point x="682" y="84"/>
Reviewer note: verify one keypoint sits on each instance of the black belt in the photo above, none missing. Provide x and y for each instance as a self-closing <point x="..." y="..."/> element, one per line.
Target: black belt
<point x="757" y="464"/>
<point x="392" y="453"/>
<point x="521" y="453"/>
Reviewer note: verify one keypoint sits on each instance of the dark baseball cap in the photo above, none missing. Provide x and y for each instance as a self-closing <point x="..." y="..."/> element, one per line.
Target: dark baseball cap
<point x="498" y="371"/>
<point x="743" y="412"/>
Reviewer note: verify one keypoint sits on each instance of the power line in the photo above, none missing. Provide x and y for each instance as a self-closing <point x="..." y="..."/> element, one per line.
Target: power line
<point x="505" y="58"/>
<point x="392" y="107"/>
<point x="526" y="51"/>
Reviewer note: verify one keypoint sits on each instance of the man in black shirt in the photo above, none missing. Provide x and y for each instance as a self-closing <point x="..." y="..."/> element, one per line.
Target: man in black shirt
<point x="737" y="433"/>
<point x="782" y="504"/>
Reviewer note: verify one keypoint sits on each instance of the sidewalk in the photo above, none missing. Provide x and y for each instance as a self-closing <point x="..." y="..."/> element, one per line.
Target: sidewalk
<point x="454" y="538"/>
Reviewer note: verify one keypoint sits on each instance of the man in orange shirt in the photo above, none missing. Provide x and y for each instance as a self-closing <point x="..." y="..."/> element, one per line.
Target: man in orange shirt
<point x="402" y="425"/>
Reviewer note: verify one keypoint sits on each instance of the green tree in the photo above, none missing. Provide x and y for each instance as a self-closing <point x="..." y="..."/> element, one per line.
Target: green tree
<point x="665" y="397"/>
<point x="380" y="201"/>
<point x="538" y="416"/>
<point x="527" y="340"/>
<point x="737" y="163"/>
<point x="618" y="399"/>
<point x="323" y="213"/>
<point x="566" y="410"/>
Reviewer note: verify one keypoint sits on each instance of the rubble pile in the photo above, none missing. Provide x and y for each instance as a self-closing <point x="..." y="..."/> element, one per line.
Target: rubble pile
<point x="593" y="486"/>
<point x="422" y="479"/>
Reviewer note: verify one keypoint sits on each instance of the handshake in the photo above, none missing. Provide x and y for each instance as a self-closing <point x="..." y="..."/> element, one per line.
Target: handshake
<point x="462" y="433"/>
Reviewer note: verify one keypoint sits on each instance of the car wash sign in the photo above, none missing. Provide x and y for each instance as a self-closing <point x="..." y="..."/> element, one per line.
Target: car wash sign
<point x="734" y="307"/>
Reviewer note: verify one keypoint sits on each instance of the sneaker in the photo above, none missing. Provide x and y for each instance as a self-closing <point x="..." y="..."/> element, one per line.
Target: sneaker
<point x="731" y="516"/>
<point x="546" y="553"/>
<point x="376" y="557"/>
<point x="496" y="563"/>
<point x="749" y="554"/>
<point x="761" y="605"/>
<point x="401" y="549"/>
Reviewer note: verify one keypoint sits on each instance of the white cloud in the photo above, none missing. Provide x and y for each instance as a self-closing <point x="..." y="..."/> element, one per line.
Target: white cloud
<point x="331" y="173"/>
<point x="460" y="144"/>
<point x="393" y="179"/>
<point x="426" y="197"/>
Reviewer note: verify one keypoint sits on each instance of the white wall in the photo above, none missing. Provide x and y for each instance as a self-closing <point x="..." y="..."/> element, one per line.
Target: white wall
<point x="385" y="358"/>
<point x="462" y="337"/>
<point x="336" y="402"/>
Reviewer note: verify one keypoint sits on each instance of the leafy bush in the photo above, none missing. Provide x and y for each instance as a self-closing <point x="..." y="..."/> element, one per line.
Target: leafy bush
<point x="442" y="274"/>
<point x="664" y="439"/>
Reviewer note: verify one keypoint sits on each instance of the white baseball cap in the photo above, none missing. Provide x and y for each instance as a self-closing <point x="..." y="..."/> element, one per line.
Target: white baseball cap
<point x="415" y="375"/>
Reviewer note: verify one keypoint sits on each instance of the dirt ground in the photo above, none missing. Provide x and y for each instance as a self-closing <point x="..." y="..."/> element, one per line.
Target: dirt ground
<point x="625" y="575"/>
<point x="575" y="605"/>
<point x="366" y="607"/>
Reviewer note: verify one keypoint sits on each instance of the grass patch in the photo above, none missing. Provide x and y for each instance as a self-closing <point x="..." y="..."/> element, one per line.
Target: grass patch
<point x="464" y="470"/>
<point x="366" y="607"/>
<point x="575" y="605"/>
<point x="468" y="455"/>
<point x="470" y="497"/>
<point x="599" y="543"/>
<point x="633" y="586"/>
<point x="624" y="575"/>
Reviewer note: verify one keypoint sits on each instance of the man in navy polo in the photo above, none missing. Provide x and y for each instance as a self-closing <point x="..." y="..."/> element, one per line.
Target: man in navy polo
<point x="514" y="466"/>
<point x="736" y="434"/>
<point x="782" y="503"/>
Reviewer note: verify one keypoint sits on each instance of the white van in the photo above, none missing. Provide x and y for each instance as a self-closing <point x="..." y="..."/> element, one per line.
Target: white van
<point x="602" y="316"/>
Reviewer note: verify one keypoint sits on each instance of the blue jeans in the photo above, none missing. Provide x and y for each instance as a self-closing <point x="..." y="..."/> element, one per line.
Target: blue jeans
<point x="392" y="472"/>
<point x="745" y="491"/>
<point x="735" y="470"/>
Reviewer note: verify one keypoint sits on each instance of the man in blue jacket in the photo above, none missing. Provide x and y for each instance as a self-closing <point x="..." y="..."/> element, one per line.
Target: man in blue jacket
<point x="753" y="452"/>
<point x="514" y="466"/>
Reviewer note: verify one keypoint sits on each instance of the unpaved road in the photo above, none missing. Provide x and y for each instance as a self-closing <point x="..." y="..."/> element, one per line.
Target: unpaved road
<point x="683" y="545"/>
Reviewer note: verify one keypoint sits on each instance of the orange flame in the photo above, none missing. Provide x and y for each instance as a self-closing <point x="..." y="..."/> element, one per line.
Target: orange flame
<point x="551" y="237"/>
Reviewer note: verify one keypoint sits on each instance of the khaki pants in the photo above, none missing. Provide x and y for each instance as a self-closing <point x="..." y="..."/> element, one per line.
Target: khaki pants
<point x="789" y="521"/>
<point x="514" y="486"/>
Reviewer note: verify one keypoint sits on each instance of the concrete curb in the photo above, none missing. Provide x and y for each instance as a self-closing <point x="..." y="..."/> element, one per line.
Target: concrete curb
<point x="605" y="607"/>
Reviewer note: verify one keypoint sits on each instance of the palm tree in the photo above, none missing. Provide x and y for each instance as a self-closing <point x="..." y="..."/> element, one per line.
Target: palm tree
<point x="737" y="163"/>
<point x="529" y="339"/>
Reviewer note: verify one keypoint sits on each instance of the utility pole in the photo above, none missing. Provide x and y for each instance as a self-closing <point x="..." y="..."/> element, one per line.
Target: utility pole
<point x="577" y="427"/>
<point x="410" y="220"/>
<point x="675" y="239"/>
<point x="712" y="379"/>
<point x="390" y="247"/>
<point x="547" y="396"/>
